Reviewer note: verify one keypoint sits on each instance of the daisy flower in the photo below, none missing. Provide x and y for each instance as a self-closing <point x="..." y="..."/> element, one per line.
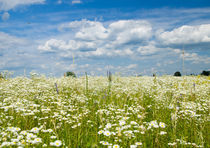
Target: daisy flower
<point x="107" y="133"/>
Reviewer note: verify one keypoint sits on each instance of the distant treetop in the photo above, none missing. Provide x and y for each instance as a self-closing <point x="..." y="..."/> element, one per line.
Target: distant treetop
<point x="177" y="74"/>
<point x="70" y="74"/>
<point x="205" y="73"/>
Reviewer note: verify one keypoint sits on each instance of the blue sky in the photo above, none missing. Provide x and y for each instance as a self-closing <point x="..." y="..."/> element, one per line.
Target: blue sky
<point x="124" y="36"/>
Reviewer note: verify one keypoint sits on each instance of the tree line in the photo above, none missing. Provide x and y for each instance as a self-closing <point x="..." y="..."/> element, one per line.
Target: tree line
<point x="72" y="74"/>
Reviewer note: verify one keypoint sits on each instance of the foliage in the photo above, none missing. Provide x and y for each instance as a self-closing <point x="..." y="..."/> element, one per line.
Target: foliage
<point x="178" y="74"/>
<point x="71" y="74"/>
<point x="96" y="112"/>
<point x="205" y="73"/>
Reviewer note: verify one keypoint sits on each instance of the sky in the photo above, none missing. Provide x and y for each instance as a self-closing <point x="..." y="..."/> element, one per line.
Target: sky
<point x="126" y="37"/>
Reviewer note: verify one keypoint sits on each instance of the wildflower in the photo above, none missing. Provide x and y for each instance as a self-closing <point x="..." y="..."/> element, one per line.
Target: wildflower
<point x="23" y="133"/>
<point x="17" y="129"/>
<point x="53" y="137"/>
<point x="172" y="144"/>
<point x="107" y="133"/>
<point x="13" y="143"/>
<point x="162" y="125"/>
<point x="105" y="143"/>
<point x="35" y="130"/>
<point x="37" y="140"/>
<point x="57" y="143"/>
<point x="20" y="137"/>
<point x="13" y="129"/>
<point x="154" y="124"/>
<point x="138" y="143"/>
<point x="122" y="122"/>
<point x="133" y="123"/>
<point x="100" y="132"/>
<point x="139" y="116"/>
<point x="109" y="125"/>
<point x="133" y="146"/>
<point x="163" y="133"/>
<point x="142" y="132"/>
<point x="30" y="135"/>
<point x="5" y="144"/>
<point x="125" y="118"/>
<point x="116" y="146"/>
<point x="193" y="114"/>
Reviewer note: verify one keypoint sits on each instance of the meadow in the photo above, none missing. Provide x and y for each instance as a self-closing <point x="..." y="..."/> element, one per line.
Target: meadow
<point x="127" y="112"/>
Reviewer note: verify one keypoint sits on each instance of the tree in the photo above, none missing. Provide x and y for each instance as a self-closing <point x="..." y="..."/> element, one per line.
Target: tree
<point x="70" y="74"/>
<point x="205" y="73"/>
<point x="177" y="74"/>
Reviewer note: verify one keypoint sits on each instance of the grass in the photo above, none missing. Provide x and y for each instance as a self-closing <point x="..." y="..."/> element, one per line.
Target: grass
<point x="99" y="112"/>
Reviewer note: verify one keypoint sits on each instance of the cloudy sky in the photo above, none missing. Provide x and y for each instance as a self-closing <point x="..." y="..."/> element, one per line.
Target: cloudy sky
<point x="124" y="36"/>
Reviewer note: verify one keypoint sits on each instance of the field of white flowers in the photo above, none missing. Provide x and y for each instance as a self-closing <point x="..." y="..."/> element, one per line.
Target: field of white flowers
<point x="84" y="112"/>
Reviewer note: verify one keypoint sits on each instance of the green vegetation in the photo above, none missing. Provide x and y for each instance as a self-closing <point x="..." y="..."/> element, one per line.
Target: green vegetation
<point x="177" y="74"/>
<point x="70" y="74"/>
<point x="105" y="112"/>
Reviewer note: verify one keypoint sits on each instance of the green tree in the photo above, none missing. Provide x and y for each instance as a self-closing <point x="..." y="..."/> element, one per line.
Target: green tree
<point x="177" y="74"/>
<point x="70" y="74"/>
<point x="205" y="73"/>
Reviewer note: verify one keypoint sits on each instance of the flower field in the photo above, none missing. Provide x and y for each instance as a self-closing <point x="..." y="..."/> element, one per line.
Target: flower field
<point x="99" y="112"/>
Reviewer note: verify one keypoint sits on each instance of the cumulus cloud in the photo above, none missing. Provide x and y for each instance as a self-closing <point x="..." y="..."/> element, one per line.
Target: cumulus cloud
<point x="123" y="31"/>
<point x="8" y="5"/>
<point x="90" y="30"/>
<point x="148" y="49"/>
<point x="134" y="39"/>
<point x="195" y="58"/>
<point x="129" y="31"/>
<point x="93" y="38"/>
<point x="186" y="35"/>
<point x="5" y="16"/>
<point x="54" y="45"/>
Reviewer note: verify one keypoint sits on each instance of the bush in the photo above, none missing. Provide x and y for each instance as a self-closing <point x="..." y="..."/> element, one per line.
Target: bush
<point x="205" y="73"/>
<point x="70" y="74"/>
<point x="177" y="74"/>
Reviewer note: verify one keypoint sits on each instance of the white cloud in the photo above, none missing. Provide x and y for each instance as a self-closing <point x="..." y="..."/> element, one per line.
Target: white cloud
<point x="195" y="58"/>
<point x="59" y="2"/>
<point x="93" y="38"/>
<point x="109" y="53"/>
<point x="5" y="16"/>
<point x="91" y="31"/>
<point x="126" y="39"/>
<point x="76" y="2"/>
<point x="54" y="45"/>
<point x="148" y="49"/>
<point x="131" y="66"/>
<point x="126" y="31"/>
<point x="10" y="4"/>
<point x="186" y="35"/>
<point x="119" y="32"/>
<point x="7" y="41"/>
